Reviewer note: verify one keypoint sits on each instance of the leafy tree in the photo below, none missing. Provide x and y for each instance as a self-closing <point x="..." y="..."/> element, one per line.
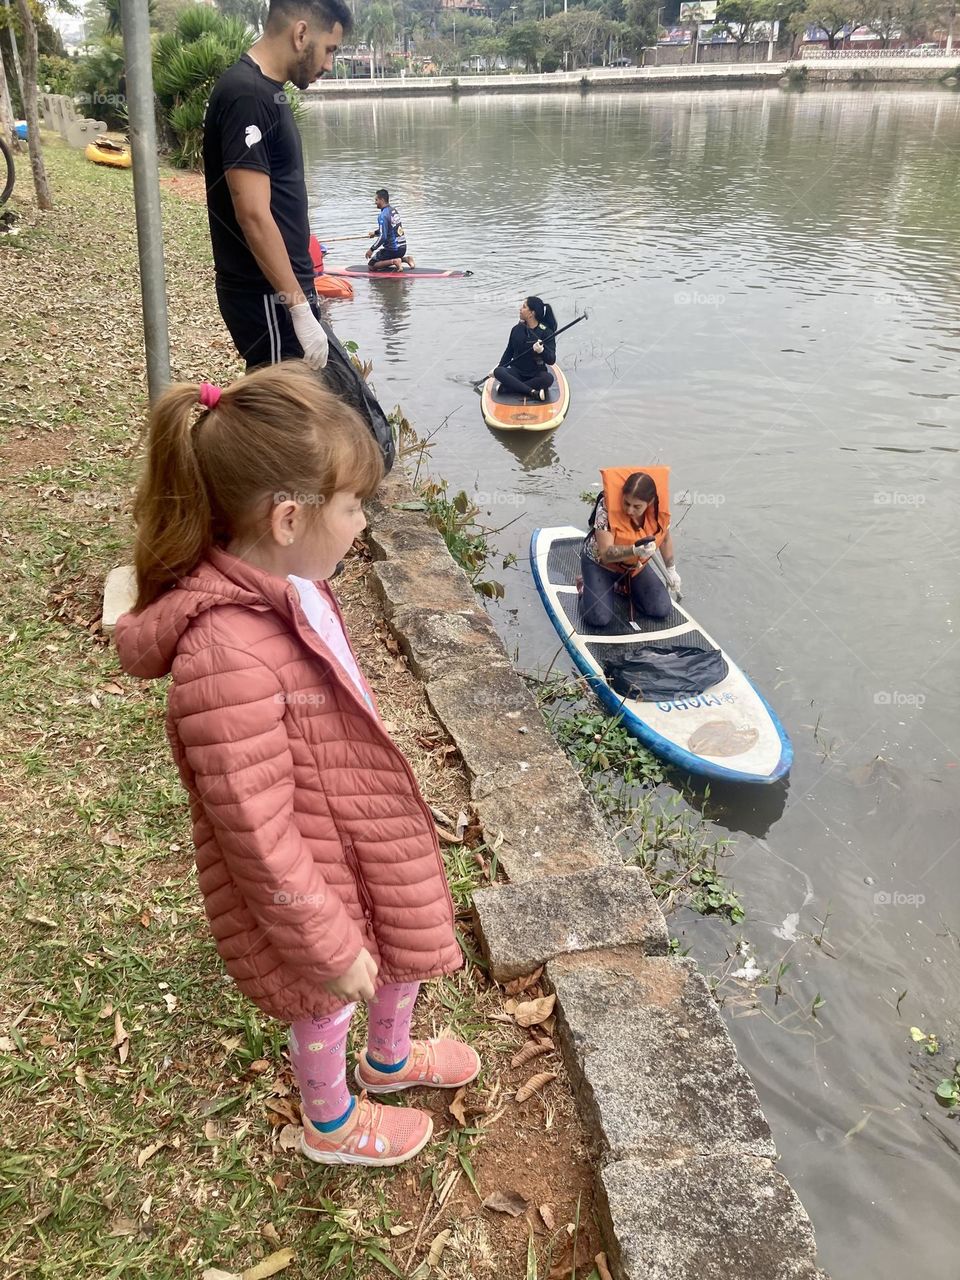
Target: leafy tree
<point x="97" y="82"/>
<point x="252" y="11"/>
<point x="831" y="17"/>
<point x="738" y="19"/>
<point x="378" y="31"/>
<point x="525" y="40"/>
<point x="111" y="9"/>
<point x="640" y="17"/>
<point x="579" y="31"/>
<point x="186" y="64"/>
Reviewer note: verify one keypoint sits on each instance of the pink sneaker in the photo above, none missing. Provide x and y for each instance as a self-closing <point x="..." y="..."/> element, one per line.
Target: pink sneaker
<point x="373" y="1135"/>
<point x="432" y="1064"/>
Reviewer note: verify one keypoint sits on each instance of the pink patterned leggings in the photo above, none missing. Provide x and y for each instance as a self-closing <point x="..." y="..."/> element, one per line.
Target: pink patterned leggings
<point x="318" y="1051"/>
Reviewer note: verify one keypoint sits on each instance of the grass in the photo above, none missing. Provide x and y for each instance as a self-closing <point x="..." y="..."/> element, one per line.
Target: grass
<point x="146" y="1106"/>
<point x="652" y="828"/>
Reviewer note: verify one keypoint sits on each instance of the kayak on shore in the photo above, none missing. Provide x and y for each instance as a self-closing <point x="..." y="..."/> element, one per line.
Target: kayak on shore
<point x="114" y="154"/>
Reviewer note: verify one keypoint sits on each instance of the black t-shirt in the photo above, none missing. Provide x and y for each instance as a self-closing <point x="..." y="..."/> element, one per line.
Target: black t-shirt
<point x="249" y="125"/>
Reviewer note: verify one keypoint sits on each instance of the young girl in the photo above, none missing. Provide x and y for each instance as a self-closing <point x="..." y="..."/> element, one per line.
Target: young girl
<point x="317" y="856"/>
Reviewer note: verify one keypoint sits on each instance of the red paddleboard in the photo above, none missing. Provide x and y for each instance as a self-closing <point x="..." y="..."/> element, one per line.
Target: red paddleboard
<point x="408" y="273"/>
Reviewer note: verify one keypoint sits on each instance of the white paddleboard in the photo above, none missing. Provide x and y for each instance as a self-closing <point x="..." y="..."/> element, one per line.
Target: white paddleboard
<point x="727" y="733"/>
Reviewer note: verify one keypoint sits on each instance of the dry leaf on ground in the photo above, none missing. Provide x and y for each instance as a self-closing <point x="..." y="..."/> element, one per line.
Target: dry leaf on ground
<point x="546" y="1213"/>
<point x="278" y="1261"/>
<point x="290" y="1137"/>
<point x="121" y="1037"/>
<point x="532" y="1012"/>
<point x="533" y="1084"/>
<point x="510" y="1202"/>
<point x="455" y="1107"/>
<point x="603" y="1267"/>
<point x="518" y="985"/>
<point x="147" y="1152"/>
<point x="123" y="1227"/>
<point x="532" y="1049"/>
<point x="437" y="1247"/>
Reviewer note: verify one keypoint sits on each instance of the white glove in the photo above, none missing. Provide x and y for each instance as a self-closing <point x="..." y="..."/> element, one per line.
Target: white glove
<point x="673" y="578"/>
<point x="310" y="335"/>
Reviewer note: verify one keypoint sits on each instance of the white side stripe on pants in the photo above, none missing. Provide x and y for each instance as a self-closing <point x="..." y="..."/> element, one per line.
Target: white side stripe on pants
<point x="273" y="326"/>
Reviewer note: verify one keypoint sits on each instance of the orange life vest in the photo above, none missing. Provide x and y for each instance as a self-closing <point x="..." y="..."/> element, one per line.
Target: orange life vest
<point x="621" y="526"/>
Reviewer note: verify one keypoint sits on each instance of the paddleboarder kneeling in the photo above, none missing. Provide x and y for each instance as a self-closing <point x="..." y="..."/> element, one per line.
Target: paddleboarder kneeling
<point x="529" y="350"/>
<point x="630" y="521"/>
<point x="389" y="250"/>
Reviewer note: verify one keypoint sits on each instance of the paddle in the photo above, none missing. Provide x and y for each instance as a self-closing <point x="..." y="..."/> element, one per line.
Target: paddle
<point x="340" y="239"/>
<point x="478" y="382"/>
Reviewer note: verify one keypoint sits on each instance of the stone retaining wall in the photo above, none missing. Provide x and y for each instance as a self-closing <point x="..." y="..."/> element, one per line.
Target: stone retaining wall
<point x="687" y="1180"/>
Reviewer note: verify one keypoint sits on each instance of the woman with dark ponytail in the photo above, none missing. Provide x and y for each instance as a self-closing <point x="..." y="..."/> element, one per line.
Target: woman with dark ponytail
<point x="523" y="367"/>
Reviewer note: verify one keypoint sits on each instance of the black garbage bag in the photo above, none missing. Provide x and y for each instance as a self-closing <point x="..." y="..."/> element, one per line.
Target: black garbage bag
<point x="341" y="376"/>
<point x="662" y="674"/>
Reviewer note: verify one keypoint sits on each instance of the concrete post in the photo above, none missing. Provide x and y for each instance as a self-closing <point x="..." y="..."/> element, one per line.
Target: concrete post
<point x="146" y="191"/>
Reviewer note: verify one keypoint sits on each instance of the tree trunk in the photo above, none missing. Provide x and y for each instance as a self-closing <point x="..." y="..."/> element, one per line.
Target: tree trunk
<point x="953" y="18"/>
<point x="6" y="110"/>
<point x="15" y="51"/>
<point x="44" y="200"/>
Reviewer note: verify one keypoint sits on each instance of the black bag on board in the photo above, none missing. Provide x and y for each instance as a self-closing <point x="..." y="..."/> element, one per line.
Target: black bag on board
<point x="660" y="675"/>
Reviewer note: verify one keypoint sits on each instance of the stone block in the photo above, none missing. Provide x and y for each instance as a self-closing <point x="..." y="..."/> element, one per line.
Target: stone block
<point x="484" y="711"/>
<point x="426" y="579"/>
<point x="523" y="925"/>
<point x="437" y="642"/>
<point x="119" y="596"/>
<point x="80" y="133"/>
<point x="649" y="1055"/>
<point x="541" y="821"/>
<point x="704" y="1218"/>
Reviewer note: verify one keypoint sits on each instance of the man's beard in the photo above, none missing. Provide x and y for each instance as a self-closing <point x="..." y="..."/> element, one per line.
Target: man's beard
<point x="303" y="75"/>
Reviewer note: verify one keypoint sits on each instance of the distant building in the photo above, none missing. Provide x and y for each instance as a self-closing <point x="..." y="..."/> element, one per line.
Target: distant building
<point x="470" y="7"/>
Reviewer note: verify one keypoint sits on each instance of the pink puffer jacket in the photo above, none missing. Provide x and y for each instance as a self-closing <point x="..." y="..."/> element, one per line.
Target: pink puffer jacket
<point x="312" y="837"/>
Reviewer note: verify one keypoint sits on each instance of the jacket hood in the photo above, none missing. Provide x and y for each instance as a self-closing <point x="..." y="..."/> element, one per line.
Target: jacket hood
<point x="147" y="641"/>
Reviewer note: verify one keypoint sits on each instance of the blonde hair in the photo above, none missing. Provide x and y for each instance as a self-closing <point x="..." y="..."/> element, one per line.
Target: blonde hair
<point x="276" y="431"/>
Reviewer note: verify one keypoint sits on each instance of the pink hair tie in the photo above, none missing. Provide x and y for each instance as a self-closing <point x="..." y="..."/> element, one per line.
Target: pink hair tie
<point x="209" y="395"/>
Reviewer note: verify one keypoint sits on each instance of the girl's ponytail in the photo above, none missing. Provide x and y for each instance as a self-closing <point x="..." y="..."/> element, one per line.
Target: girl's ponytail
<point x="215" y="468"/>
<point x="172" y="509"/>
<point x="549" y="319"/>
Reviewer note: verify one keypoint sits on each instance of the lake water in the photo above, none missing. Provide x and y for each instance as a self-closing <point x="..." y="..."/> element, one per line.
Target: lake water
<point x="773" y="289"/>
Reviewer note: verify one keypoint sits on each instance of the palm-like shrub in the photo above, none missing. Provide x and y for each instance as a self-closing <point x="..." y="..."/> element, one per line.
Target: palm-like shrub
<point x="186" y="64"/>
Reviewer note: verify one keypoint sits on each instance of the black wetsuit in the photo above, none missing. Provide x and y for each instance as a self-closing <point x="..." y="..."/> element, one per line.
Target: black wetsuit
<point x="528" y="371"/>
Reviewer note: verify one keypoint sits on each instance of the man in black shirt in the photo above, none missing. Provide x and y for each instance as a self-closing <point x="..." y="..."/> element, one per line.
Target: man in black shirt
<point x="256" y="194"/>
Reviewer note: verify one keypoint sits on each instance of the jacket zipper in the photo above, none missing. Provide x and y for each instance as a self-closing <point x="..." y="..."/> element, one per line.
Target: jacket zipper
<point x="354" y="864"/>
